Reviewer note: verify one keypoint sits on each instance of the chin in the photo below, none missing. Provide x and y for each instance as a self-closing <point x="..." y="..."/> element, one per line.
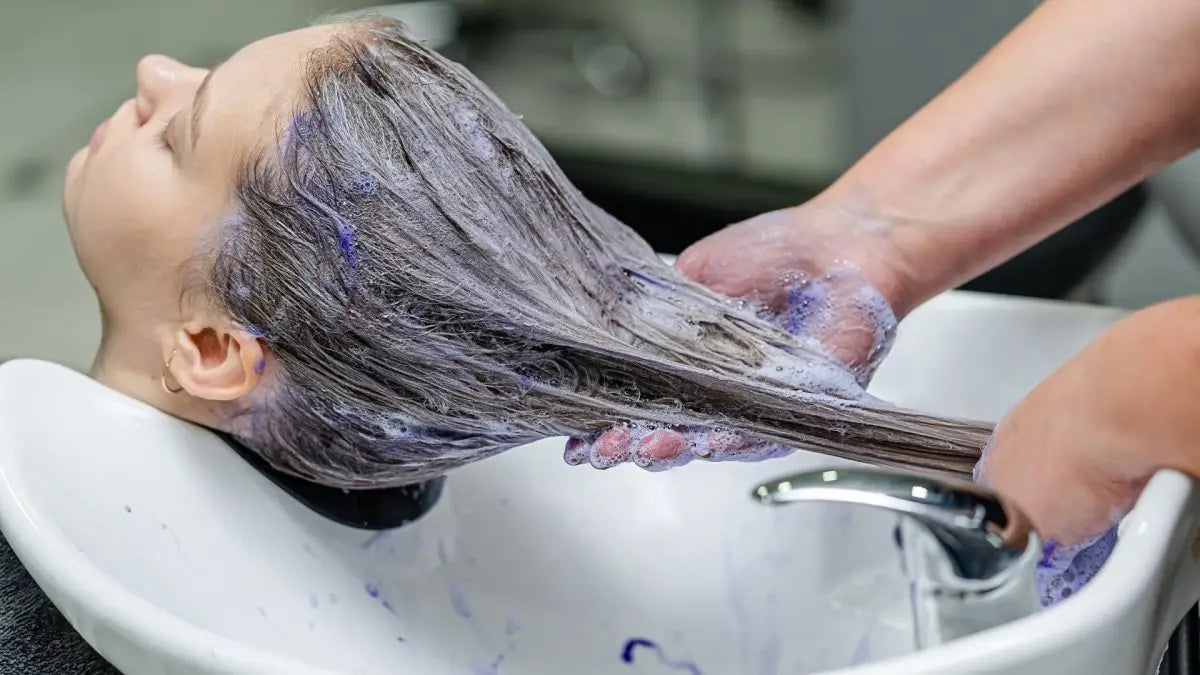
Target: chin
<point x="70" y="191"/>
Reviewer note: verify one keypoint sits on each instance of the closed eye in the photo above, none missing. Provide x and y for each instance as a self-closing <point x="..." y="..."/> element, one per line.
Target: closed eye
<point x="161" y="137"/>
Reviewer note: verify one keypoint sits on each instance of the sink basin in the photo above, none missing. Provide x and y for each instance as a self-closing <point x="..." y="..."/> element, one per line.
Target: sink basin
<point x="170" y="554"/>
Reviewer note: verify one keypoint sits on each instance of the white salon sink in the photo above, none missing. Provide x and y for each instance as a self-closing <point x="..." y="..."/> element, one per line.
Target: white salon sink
<point x="171" y="555"/>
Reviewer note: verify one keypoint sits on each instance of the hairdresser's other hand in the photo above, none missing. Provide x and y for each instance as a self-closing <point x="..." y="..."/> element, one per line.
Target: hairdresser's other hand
<point x="1076" y="452"/>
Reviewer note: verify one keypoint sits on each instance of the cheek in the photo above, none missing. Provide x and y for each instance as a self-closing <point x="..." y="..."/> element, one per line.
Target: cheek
<point x="115" y="210"/>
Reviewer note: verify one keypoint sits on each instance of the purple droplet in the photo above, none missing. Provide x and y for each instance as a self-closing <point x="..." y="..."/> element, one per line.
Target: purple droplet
<point x="372" y="589"/>
<point x="458" y="601"/>
<point x="365" y="184"/>
<point x="346" y="243"/>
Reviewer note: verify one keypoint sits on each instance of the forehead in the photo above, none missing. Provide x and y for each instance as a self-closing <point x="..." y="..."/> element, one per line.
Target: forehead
<point x="251" y="95"/>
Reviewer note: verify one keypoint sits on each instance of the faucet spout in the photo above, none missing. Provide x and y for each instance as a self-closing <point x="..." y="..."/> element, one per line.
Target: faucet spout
<point x="970" y="555"/>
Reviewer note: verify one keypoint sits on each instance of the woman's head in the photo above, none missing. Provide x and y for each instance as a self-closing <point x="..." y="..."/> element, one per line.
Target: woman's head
<point x="157" y="178"/>
<point x="247" y="225"/>
<point x="356" y="259"/>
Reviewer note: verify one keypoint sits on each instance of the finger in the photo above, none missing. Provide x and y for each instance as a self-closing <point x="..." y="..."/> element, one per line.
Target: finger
<point x="719" y="444"/>
<point x="724" y="445"/>
<point x="662" y="449"/>
<point x="577" y="451"/>
<point x="611" y="448"/>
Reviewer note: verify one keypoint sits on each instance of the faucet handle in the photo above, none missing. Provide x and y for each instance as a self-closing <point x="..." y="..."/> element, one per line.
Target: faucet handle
<point x="970" y="554"/>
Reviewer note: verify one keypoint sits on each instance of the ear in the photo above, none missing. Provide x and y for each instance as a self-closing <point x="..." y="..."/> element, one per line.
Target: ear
<point x="216" y="363"/>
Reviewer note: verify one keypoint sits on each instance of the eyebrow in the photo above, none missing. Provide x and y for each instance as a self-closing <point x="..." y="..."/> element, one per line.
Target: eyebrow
<point x="199" y="102"/>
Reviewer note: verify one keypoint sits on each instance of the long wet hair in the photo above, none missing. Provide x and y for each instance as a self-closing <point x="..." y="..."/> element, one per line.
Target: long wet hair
<point x="434" y="291"/>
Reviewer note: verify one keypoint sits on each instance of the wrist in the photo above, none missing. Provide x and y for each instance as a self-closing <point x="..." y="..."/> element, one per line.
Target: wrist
<point x="895" y="252"/>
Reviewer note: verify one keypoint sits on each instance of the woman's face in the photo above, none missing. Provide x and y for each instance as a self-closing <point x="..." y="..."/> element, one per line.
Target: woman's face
<point x="158" y="176"/>
<point x="162" y="167"/>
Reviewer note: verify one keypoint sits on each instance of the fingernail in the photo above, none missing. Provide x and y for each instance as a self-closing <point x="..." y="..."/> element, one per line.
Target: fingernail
<point x="611" y="449"/>
<point x="661" y="445"/>
<point x="661" y="450"/>
<point x="576" y="451"/>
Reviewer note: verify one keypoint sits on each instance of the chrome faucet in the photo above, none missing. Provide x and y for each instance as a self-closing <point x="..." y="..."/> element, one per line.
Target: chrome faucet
<point x="969" y="555"/>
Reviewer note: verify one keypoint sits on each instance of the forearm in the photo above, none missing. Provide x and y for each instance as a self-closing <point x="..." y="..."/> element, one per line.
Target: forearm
<point x="1079" y="102"/>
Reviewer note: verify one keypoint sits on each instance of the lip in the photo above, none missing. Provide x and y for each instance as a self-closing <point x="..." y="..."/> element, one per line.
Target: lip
<point x="98" y="135"/>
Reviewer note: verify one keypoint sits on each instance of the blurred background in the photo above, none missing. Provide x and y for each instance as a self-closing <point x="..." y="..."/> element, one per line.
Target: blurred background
<point x="678" y="116"/>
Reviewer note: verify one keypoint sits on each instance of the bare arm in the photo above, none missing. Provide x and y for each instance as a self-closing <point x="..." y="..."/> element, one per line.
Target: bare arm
<point x="1079" y="448"/>
<point x="1078" y="103"/>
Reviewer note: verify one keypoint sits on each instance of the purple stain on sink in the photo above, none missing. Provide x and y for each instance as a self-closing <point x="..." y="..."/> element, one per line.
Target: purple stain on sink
<point x="862" y="653"/>
<point x="458" y="601"/>
<point x="768" y="657"/>
<point x="371" y="589"/>
<point x="492" y="668"/>
<point x="632" y="644"/>
<point x="166" y="528"/>
<point x="373" y="540"/>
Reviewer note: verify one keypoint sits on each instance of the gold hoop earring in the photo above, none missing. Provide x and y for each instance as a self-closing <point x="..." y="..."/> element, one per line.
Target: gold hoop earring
<point x="166" y="371"/>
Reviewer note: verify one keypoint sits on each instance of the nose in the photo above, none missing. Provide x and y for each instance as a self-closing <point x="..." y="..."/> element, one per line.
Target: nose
<point x="160" y="80"/>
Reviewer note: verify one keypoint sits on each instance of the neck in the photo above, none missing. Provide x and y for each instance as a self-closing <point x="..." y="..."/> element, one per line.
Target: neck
<point x="133" y="365"/>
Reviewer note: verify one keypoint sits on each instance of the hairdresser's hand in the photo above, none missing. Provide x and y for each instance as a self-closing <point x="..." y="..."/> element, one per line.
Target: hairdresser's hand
<point x="823" y="271"/>
<point x="1077" y="451"/>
